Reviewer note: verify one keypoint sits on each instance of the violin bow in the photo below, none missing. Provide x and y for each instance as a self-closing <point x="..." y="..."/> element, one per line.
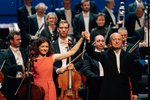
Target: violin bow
<point x="134" y="46"/>
<point x="2" y="65"/>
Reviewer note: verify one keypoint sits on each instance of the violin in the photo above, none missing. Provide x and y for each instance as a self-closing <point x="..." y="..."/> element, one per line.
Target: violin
<point x="2" y="97"/>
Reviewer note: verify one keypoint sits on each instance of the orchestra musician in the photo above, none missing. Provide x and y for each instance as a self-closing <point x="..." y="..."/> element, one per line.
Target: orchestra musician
<point x="14" y="67"/>
<point x="93" y="70"/>
<point x="62" y="45"/>
<point x="50" y="29"/>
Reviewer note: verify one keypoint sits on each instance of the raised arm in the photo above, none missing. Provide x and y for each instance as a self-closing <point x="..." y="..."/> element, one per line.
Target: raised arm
<point x="73" y="50"/>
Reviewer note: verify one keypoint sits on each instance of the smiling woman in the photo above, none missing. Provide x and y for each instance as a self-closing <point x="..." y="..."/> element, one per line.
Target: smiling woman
<point x="43" y="64"/>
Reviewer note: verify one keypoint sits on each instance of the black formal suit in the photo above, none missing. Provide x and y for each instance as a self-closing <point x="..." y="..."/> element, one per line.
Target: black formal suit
<point x="22" y="23"/>
<point x="61" y="14"/>
<point x="135" y="52"/>
<point x="33" y="24"/>
<point x="130" y="23"/>
<point x="32" y="28"/>
<point x="139" y="34"/>
<point x="79" y="26"/>
<point x="23" y="16"/>
<point x="108" y="18"/>
<point x="92" y="72"/>
<point x="93" y="7"/>
<point x="58" y="64"/>
<point x="132" y="6"/>
<point x="51" y="36"/>
<point x="10" y="70"/>
<point x="115" y="85"/>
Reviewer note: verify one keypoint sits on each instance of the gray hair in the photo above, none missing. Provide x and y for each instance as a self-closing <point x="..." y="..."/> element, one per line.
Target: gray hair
<point x="51" y="13"/>
<point x="41" y="4"/>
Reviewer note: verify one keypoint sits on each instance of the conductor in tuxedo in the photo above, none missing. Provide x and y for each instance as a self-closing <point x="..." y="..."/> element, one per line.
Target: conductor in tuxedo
<point x="118" y="66"/>
<point x="14" y="66"/>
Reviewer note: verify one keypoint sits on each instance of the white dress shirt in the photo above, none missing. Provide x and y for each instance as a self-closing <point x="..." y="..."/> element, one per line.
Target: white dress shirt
<point x="118" y="59"/>
<point x="112" y="15"/>
<point x="101" y="70"/>
<point x="86" y="18"/>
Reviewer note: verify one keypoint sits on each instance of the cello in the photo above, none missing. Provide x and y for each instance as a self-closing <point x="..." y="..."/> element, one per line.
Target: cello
<point x="2" y="97"/>
<point x="69" y="82"/>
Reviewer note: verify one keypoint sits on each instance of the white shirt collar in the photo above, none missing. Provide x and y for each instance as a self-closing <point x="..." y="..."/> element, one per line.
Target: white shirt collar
<point x="14" y="49"/>
<point x="85" y="14"/>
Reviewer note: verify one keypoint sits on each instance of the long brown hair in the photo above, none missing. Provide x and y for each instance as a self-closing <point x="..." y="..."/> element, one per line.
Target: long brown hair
<point x="35" y="46"/>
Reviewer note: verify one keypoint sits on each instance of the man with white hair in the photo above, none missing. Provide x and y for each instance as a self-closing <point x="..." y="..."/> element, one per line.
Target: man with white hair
<point x="37" y="21"/>
<point x="118" y="66"/>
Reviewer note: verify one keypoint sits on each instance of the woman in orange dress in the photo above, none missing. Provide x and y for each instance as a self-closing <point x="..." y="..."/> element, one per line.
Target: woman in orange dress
<point x="43" y="65"/>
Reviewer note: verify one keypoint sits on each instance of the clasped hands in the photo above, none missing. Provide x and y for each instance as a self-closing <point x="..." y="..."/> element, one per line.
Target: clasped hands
<point x="86" y="35"/>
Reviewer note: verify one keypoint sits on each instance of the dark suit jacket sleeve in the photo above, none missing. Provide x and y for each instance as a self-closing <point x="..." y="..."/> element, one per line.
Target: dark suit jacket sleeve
<point x="86" y="67"/>
<point x="77" y="27"/>
<point x="11" y="69"/>
<point x="92" y="53"/>
<point x="134" y="74"/>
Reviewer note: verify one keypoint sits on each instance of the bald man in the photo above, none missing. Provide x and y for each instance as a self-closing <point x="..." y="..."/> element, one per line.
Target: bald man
<point x="93" y="70"/>
<point x="118" y="66"/>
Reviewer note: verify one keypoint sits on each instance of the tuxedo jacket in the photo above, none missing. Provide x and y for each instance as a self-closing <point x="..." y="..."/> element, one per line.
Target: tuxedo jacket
<point x="11" y="67"/>
<point x="91" y="67"/>
<point x="116" y="85"/>
<point x="58" y="64"/>
<point x="139" y="34"/>
<point x="108" y="18"/>
<point x="135" y="52"/>
<point x="94" y="81"/>
<point x="132" y="6"/>
<point x="23" y="16"/>
<point x="78" y="24"/>
<point x="61" y="14"/>
<point x="33" y="24"/>
<point x="10" y="70"/>
<point x="130" y="23"/>
<point x="93" y="7"/>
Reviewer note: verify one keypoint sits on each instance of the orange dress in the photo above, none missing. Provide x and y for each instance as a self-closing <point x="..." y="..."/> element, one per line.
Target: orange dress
<point x="43" y="76"/>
